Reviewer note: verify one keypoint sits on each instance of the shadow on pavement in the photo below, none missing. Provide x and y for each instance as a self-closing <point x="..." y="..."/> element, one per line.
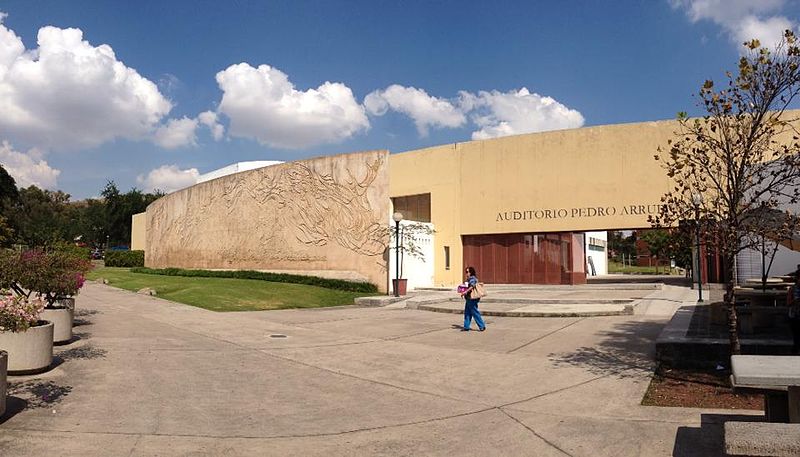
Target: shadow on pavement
<point x="87" y="352"/>
<point x="708" y="440"/>
<point x="81" y="316"/>
<point x="628" y="347"/>
<point x="14" y="405"/>
<point x="36" y="394"/>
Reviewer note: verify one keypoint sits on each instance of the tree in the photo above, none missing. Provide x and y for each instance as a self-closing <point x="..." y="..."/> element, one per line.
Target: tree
<point x="658" y="243"/>
<point x="409" y="237"/>
<point x="8" y="190"/>
<point x="739" y="159"/>
<point x="120" y="208"/>
<point x="41" y="217"/>
<point x="681" y="241"/>
<point x="621" y="245"/>
<point x="9" y="198"/>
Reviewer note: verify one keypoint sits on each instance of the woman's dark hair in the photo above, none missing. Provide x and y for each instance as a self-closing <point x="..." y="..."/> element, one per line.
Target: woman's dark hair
<point x="471" y="271"/>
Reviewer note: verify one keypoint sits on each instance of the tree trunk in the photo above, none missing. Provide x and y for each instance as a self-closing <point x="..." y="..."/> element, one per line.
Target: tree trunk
<point x="730" y="303"/>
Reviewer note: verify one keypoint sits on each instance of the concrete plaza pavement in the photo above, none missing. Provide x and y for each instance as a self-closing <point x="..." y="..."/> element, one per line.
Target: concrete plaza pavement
<point x="150" y="377"/>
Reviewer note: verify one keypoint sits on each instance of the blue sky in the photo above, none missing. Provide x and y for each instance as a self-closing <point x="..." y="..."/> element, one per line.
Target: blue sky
<point x="151" y="93"/>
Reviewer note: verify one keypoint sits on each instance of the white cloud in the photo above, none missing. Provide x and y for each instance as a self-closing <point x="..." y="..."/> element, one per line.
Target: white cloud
<point x="28" y="168"/>
<point x="176" y="133"/>
<point x="209" y="119"/>
<point x="515" y="112"/>
<point x="742" y="20"/>
<point x="168" y="178"/>
<point x="169" y="83"/>
<point x="182" y="132"/>
<point x="263" y="104"/>
<point x="769" y="31"/>
<point x="425" y="110"/>
<point x="69" y="94"/>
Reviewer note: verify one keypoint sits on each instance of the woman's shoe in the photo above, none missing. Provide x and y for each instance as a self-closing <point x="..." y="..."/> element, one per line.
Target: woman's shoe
<point x="464" y="329"/>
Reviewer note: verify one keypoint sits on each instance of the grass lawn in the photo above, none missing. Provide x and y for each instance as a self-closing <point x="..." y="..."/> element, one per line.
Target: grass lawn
<point x="227" y="294"/>
<point x="616" y="267"/>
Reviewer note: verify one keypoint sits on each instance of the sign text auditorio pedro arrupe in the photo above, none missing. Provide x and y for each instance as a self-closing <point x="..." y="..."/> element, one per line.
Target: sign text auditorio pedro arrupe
<point x="567" y="213"/>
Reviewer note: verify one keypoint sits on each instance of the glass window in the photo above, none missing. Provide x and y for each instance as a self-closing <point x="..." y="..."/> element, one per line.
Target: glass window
<point x="414" y="207"/>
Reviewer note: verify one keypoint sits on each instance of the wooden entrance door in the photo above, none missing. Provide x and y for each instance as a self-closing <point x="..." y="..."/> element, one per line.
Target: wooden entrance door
<point x="525" y="258"/>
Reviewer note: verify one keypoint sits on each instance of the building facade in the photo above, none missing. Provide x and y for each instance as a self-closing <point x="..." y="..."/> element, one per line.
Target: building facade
<point x="519" y="209"/>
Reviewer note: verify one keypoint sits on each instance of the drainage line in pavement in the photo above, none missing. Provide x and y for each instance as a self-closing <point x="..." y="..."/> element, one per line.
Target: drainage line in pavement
<point x="269" y="437"/>
<point x="545" y="335"/>
<point x="534" y="432"/>
<point x="555" y="391"/>
<point x="373" y="381"/>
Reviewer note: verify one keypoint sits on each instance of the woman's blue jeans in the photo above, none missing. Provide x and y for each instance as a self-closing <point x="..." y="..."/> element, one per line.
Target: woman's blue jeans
<point x="471" y="311"/>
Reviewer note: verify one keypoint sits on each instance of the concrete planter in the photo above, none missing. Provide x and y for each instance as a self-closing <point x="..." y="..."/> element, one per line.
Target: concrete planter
<point x="3" y="372"/>
<point x="62" y="323"/>
<point x="30" y="351"/>
<point x="65" y="303"/>
<point x="62" y="315"/>
<point x="399" y="286"/>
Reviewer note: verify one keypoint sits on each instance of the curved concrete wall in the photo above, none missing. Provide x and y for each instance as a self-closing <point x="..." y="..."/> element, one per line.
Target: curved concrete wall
<point x="323" y="216"/>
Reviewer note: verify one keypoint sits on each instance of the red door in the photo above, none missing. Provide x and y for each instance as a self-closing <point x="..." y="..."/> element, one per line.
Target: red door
<point x="524" y="258"/>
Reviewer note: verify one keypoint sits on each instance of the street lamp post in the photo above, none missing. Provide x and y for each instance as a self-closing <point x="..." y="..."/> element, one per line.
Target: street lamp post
<point x="697" y="200"/>
<point x="397" y="217"/>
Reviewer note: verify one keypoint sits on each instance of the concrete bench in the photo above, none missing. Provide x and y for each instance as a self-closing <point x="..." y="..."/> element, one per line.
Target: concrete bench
<point x="762" y="439"/>
<point x="769" y="371"/>
<point x="752" y="316"/>
<point x="776" y="399"/>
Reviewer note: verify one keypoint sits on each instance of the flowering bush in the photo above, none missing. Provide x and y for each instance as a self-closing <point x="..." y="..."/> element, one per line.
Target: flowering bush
<point x="18" y="313"/>
<point x="51" y="275"/>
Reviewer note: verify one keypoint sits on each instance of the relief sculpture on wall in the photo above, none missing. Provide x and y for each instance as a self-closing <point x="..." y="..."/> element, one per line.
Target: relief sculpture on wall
<point x="318" y="215"/>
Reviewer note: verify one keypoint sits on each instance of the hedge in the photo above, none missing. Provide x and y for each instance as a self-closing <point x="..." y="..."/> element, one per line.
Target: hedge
<point x="127" y="259"/>
<point x="338" y="284"/>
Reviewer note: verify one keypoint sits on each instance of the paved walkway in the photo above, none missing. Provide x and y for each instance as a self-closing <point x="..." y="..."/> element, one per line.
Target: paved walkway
<point x="150" y="377"/>
<point x="544" y="301"/>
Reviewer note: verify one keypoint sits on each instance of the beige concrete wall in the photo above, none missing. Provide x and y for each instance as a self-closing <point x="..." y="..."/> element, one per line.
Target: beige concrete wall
<point x="138" y="232"/>
<point x="594" y="178"/>
<point x="314" y="216"/>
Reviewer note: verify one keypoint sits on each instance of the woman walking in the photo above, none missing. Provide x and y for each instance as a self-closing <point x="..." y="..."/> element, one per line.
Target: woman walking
<point x="471" y="304"/>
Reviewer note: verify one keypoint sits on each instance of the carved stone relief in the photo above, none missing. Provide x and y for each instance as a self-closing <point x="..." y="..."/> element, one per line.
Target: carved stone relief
<point x="313" y="215"/>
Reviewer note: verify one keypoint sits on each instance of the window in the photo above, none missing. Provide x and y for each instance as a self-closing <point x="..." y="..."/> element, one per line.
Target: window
<point x="414" y="207"/>
<point x="447" y="257"/>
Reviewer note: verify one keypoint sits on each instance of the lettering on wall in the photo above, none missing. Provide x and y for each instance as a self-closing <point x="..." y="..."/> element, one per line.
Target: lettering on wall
<point x="575" y="213"/>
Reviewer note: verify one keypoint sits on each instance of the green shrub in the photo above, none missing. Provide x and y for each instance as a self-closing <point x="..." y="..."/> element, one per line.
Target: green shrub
<point x="70" y="249"/>
<point x="128" y="259"/>
<point x="337" y="284"/>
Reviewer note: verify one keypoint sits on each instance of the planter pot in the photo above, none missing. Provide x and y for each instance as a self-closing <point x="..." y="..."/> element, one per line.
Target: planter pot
<point x="62" y="323"/>
<point x="65" y="303"/>
<point x="3" y="372"/>
<point x="30" y="351"/>
<point x="399" y="286"/>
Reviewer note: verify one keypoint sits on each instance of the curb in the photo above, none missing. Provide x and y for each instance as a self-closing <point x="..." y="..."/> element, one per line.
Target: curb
<point x="626" y="311"/>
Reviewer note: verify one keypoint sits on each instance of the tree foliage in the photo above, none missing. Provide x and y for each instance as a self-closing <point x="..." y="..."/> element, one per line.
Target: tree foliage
<point x="658" y="242"/>
<point x="120" y="208"/>
<point x="619" y="245"/>
<point x="38" y="217"/>
<point x="41" y="217"/>
<point x="409" y="236"/>
<point x="737" y="168"/>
